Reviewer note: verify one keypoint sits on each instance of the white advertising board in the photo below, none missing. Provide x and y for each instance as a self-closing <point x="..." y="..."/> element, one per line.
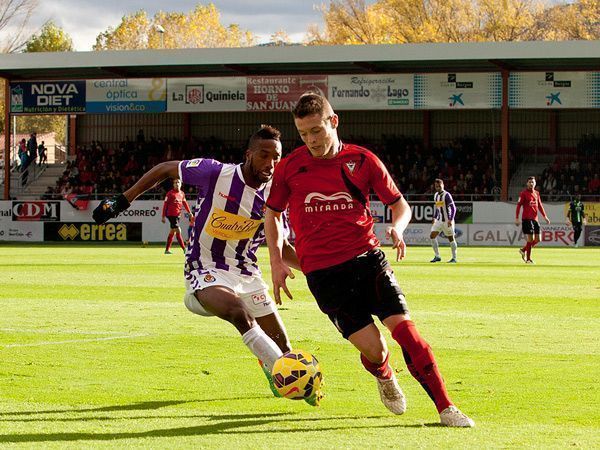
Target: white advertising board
<point x="137" y="95"/>
<point x="418" y="234"/>
<point x="511" y="235"/>
<point x="386" y="91"/>
<point x="554" y="90"/>
<point x="503" y="212"/>
<point x="206" y="94"/>
<point x="21" y="231"/>
<point x="458" y="91"/>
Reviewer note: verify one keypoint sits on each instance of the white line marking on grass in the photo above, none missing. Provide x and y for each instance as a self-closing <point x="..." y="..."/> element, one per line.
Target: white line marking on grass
<point x="52" y="331"/>
<point x="71" y="341"/>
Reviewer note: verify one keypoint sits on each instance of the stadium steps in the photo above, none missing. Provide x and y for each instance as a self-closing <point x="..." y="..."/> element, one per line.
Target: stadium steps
<point x="527" y="169"/>
<point x="48" y="178"/>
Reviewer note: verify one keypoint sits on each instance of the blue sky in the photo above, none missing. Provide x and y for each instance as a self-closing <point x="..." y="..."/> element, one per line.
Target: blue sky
<point x="85" y="19"/>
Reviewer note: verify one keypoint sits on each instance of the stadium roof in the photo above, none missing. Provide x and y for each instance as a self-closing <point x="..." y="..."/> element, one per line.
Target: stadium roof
<point x="408" y="58"/>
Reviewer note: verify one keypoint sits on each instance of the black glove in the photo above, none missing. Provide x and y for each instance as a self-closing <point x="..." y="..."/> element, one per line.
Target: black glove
<point x="110" y="208"/>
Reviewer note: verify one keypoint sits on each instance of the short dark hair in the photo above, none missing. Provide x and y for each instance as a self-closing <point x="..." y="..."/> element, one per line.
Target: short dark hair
<point x="265" y="132"/>
<point x="309" y="104"/>
<point x="531" y="178"/>
<point x="438" y="180"/>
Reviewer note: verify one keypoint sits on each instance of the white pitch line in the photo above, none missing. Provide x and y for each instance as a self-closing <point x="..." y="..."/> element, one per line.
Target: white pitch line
<point x="51" y="331"/>
<point x="71" y="341"/>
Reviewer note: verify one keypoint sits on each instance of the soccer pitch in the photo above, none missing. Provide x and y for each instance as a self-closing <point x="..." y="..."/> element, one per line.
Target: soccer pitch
<point x="98" y="351"/>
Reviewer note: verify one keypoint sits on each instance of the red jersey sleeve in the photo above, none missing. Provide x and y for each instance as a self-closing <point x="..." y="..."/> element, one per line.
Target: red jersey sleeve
<point x="382" y="182"/>
<point x="280" y="191"/>
<point x="164" y="211"/>
<point x="519" y="205"/>
<point x="540" y="206"/>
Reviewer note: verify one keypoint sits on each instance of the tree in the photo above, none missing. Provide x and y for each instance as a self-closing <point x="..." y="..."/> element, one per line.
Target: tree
<point x="199" y="28"/>
<point x="579" y="20"/>
<point x="14" y="16"/>
<point x="414" y="21"/>
<point x="280" y="38"/>
<point x="50" y="39"/>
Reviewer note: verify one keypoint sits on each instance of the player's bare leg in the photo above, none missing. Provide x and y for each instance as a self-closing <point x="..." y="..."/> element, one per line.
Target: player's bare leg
<point x="375" y="356"/>
<point x="423" y="367"/>
<point x="434" y="244"/>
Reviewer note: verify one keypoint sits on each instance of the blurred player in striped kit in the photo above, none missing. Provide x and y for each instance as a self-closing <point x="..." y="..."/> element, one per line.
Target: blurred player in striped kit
<point x="443" y="220"/>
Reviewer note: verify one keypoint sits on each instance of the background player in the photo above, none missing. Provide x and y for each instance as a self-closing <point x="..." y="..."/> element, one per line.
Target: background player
<point x="326" y="185"/>
<point x="222" y="277"/>
<point x="174" y="201"/>
<point x="443" y="220"/>
<point x="530" y="201"/>
<point x="576" y="217"/>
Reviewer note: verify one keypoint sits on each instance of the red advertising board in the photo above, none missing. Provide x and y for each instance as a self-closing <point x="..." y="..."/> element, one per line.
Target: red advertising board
<point x="281" y="92"/>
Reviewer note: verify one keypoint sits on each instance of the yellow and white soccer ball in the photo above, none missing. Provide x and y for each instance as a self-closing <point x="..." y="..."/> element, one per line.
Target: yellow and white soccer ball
<point x="297" y="375"/>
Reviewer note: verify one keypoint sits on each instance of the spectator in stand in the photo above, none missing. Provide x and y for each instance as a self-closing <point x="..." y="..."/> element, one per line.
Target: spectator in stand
<point x="32" y="148"/>
<point x="594" y="185"/>
<point x="23" y="154"/>
<point x="43" y="154"/>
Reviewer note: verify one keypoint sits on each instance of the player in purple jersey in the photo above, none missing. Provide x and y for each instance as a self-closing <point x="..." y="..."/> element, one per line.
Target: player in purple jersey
<point x="443" y="220"/>
<point x="222" y="277"/>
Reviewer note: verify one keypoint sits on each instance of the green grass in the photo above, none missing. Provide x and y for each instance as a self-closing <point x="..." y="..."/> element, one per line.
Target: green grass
<point x="98" y="351"/>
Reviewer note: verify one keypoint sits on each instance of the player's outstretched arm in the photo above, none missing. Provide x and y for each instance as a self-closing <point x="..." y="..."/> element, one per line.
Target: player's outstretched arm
<point x="111" y="207"/>
<point x="279" y="269"/>
<point x="401" y="215"/>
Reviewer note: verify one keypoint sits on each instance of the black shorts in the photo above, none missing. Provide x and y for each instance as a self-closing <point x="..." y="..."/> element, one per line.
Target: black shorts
<point x="577" y="226"/>
<point x="174" y="221"/>
<point x="530" y="226"/>
<point x="353" y="292"/>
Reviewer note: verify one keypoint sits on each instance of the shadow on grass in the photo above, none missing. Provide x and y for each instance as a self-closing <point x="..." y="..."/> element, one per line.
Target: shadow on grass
<point x="229" y="424"/>
<point x="138" y="406"/>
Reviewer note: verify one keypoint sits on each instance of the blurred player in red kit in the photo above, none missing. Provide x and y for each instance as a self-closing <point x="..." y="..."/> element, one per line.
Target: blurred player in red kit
<point x="174" y="202"/>
<point x="530" y="201"/>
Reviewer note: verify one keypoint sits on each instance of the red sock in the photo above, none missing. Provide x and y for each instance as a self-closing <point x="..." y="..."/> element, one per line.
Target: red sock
<point x="382" y="370"/>
<point x="169" y="241"/>
<point x="421" y="363"/>
<point x="180" y="240"/>
<point x="528" y="249"/>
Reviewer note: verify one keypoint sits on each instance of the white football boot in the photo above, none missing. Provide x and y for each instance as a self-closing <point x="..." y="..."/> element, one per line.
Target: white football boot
<point x="453" y="417"/>
<point x="391" y="395"/>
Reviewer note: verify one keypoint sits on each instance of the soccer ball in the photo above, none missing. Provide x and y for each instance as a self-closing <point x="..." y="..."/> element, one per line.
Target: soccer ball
<point x="297" y="375"/>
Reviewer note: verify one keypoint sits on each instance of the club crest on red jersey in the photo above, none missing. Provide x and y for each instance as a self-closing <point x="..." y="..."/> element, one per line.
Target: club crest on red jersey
<point x="351" y="165"/>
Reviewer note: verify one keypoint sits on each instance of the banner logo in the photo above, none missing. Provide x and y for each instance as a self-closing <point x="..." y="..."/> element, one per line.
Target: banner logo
<point x="36" y="211"/>
<point x="92" y="232"/>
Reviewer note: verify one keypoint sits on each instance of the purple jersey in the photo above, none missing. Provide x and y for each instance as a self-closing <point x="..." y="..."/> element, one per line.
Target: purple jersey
<point x="444" y="207"/>
<point x="229" y="217"/>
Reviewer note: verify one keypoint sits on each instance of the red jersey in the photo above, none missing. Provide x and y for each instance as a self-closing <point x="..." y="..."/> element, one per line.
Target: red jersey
<point x="173" y="203"/>
<point x="530" y="201"/>
<point x="329" y="203"/>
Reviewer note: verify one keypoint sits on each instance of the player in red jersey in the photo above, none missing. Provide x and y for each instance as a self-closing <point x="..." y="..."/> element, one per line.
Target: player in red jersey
<point x="174" y="202"/>
<point x="530" y="201"/>
<point x="326" y="185"/>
